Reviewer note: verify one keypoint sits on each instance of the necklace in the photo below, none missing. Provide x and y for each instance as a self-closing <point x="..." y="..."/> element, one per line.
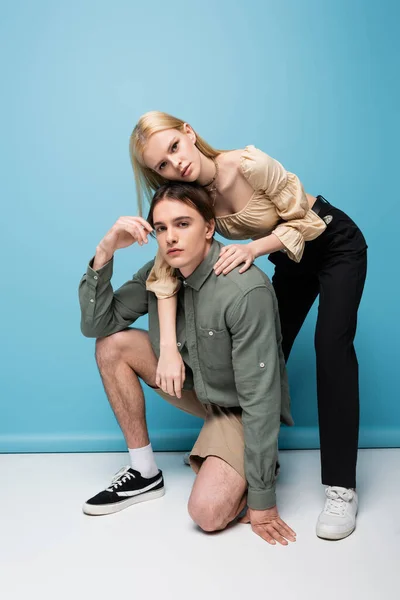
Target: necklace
<point x="211" y="185"/>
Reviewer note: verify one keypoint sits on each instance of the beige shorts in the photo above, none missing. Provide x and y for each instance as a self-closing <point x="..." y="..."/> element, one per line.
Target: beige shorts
<point x="221" y="434"/>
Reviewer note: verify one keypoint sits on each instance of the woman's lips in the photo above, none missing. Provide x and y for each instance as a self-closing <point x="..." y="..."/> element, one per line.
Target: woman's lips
<point x="174" y="252"/>
<point x="186" y="170"/>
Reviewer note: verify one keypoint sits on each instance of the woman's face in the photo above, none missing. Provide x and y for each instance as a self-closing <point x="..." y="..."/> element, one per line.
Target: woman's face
<point x="173" y="154"/>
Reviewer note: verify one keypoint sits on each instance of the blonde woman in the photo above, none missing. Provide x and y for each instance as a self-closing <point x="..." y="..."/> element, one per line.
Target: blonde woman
<point x="316" y="249"/>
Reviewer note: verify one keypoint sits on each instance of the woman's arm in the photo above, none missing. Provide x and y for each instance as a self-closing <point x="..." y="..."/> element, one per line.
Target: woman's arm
<point x="299" y="224"/>
<point x="167" y="318"/>
<point x="171" y="368"/>
<point x="266" y="245"/>
<point x="163" y="282"/>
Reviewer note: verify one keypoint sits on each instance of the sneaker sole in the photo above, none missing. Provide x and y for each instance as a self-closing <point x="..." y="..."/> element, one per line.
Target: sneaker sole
<point x="109" y="509"/>
<point x="334" y="536"/>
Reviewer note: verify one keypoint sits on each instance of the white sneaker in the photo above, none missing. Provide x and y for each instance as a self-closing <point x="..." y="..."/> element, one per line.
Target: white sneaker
<point x="186" y="458"/>
<point x="338" y="519"/>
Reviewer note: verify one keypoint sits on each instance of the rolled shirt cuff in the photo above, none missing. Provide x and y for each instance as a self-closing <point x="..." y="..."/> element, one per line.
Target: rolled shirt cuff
<point x="261" y="499"/>
<point x="103" y="274"/>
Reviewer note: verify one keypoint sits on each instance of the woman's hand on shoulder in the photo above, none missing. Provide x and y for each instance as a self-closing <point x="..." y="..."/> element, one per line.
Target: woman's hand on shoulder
<point x="232" y="256"/>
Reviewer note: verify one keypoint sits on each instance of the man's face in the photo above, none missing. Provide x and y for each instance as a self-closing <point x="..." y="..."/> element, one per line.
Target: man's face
<point x="183" y="235"/>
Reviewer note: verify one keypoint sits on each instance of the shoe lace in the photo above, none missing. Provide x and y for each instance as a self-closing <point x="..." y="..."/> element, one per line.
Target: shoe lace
<point x="337" y="499"/>
<point x="119" y="478"/>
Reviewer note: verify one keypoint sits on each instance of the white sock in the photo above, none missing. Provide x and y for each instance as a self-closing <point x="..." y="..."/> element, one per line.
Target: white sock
<point x="142" y="460"/>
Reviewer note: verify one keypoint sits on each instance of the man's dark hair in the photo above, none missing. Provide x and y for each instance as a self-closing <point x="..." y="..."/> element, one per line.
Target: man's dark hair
<point x="192" y="194"/>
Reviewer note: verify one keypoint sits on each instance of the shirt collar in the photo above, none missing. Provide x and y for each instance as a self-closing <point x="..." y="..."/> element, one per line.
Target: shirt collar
<point x="201" y="273"/>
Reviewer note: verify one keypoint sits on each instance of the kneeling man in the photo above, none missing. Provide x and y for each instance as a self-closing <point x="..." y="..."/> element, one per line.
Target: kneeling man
<point x="229" y="338"/>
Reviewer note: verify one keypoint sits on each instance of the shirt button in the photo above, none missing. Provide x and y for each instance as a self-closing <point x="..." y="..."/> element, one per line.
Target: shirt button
<point x="91" y="300"/>
<point x="185" y="283"/>
<point x="262" y="365"/>
<point x="95" y="277"/>
<point x="210" y="333"/>
<point x="179" y="344"/>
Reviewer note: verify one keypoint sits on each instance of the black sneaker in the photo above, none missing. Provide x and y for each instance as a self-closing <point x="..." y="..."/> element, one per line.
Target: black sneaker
<point x="127" y="487"/>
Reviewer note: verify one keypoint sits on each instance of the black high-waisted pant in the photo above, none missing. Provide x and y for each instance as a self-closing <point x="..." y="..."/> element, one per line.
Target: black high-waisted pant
<point x="334" y="266"/>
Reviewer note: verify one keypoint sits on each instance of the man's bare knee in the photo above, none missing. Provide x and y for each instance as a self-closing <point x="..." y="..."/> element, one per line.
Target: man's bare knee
<point x="108" y="349"/>
<point x="216" y="495"/>
<point x="208" y="517"/>
<point x="131" y="347"/>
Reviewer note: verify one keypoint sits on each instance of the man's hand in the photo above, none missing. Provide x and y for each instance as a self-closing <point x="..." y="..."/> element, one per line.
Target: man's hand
<point x="125" y="232"/>
<point x="170" y="372"/>
<point x="268" y="525"/>
<point x="232" y="256"/>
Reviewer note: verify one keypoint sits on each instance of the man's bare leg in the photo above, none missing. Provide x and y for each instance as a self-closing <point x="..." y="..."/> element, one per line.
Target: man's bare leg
<point x="122" y="358"/>
<point x="218" y="495"/>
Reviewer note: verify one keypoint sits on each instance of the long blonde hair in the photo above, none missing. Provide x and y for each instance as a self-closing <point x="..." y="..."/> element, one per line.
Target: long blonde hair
<point x="147" y="181"/>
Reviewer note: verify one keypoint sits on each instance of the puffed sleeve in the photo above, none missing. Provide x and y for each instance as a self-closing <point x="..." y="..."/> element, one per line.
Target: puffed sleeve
<point x="286" y="192"/>
<point x="162" y="280"/>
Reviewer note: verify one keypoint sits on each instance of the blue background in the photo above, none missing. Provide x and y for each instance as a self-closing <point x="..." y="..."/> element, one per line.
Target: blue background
<point x="315" y="84"/>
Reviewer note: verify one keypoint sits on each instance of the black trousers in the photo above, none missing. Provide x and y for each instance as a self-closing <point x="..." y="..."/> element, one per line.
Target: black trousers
<point x="334" y="266"/>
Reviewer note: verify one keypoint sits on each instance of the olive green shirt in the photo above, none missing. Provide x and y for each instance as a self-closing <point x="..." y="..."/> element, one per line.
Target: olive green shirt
<point x="229" y="337"/>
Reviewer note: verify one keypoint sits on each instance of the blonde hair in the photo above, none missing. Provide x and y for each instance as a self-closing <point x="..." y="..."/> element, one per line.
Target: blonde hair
<point x="147" y="181"/>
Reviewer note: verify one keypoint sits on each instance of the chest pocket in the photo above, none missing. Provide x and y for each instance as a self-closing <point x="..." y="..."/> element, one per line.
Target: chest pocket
<point x="215" y="348"/>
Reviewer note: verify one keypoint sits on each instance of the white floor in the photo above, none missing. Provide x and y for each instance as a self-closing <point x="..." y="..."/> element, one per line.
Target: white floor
<point x="50" y="549"/>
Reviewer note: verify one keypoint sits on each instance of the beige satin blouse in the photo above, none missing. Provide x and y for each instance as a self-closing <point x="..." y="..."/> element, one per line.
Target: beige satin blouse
<point x="278" y="205"/>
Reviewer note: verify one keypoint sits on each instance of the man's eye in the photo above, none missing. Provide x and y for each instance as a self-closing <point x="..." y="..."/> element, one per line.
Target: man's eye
<point x="174" y="146"/>
<point x="183" y="223"/>
<point x="159" y="229"/>
<point x="161" y="167"/>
